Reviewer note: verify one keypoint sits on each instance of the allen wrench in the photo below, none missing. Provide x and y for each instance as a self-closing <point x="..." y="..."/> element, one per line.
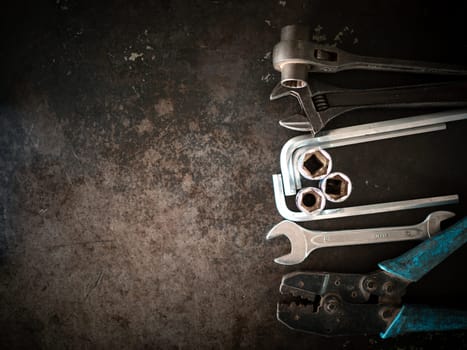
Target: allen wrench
<point x="288" y="214"/>
<point x="294" y="147"/>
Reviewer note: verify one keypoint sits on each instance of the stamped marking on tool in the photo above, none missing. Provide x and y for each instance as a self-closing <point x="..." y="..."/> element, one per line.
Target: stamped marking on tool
<point x="380" y="235"/>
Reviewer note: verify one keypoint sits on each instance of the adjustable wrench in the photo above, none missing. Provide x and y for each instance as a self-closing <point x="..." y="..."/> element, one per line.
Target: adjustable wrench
<point x="304" y="241"/>
<point x="322" y="102"/>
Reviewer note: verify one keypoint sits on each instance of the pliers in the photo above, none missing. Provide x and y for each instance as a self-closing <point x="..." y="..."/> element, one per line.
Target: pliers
<point x="333" y="304"/>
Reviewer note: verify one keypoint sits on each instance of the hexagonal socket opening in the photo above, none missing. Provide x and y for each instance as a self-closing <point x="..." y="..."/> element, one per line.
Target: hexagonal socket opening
<point x="336" y="187"/>
<point x="310" y="200"/>
<point x="294" y="75"/>
<point x="315" y="164"/>
<point x="294" y="83"/>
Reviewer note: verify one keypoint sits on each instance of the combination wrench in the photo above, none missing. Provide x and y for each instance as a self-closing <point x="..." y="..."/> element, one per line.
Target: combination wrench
<point x="304" y="241"/>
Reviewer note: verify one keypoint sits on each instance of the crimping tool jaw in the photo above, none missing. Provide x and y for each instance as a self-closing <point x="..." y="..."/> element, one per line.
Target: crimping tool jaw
<point x="330" y="315"/>
<point x="334" y="317"/>
<point x="339" y="304"/>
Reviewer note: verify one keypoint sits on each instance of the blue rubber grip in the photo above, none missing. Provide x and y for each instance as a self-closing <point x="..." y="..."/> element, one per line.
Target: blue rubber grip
<point x="420" y="260"/>
<point x="420" y="318"/>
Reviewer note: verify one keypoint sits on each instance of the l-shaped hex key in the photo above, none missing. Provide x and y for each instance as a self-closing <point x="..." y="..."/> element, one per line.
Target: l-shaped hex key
<point x="358" y="134"/>
<point x="288" y="214"/>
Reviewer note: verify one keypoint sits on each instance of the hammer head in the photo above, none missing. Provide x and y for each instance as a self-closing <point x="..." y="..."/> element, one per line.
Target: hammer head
<point x="433" y="221"/>
<point x="297" y="239"/>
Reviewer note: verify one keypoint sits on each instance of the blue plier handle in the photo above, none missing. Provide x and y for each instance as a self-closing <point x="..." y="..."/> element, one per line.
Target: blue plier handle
<point x="411" y="267"/>
<point x="344" y="304"/>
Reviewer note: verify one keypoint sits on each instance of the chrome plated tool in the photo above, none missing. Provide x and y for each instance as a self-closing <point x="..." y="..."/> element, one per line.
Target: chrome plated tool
<point x="304" y="241"/>
<point x="310" y="200"/>
<point x="296" y="55"/>
<point x="336" y="187"/>
<point x="292" y="149"/>
<point x="288" y="214"/>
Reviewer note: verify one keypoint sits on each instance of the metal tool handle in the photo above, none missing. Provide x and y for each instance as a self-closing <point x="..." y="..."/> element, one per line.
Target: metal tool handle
<point x="368" y="236"/>
<point x="418" y="261"/>
<point x="351" y="61"/>
<point x="422" y="95"/>
<point x="421" y="318"/>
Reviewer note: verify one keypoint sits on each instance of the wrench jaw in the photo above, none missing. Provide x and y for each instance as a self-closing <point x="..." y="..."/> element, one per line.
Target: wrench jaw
<point x="297" y="240"/>
<point x="433" y="221"/>
<point x="278" y="92"/>
<point x="304" y="97"/>
<point x="296" y="122"/>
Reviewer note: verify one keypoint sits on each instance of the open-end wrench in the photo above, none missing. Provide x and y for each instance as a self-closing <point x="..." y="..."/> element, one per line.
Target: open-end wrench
<point x="321" y="102"/>
<point x="304" y="241"/>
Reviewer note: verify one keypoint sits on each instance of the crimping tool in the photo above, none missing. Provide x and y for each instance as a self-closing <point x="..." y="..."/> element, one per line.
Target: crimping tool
<point x="349" y="304"/>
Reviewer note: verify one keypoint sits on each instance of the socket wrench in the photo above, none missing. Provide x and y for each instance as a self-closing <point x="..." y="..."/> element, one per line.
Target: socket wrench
<point x="296" y="55"/>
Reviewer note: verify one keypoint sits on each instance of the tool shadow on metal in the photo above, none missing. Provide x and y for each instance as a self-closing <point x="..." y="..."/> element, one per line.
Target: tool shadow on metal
<point x="334" y="304"/>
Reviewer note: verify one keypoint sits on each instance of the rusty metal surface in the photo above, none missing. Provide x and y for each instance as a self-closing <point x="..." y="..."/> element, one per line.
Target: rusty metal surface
<point x="137" y="143"/>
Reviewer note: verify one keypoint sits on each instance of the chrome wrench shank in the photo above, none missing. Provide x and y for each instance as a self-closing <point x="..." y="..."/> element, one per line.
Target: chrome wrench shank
<point x="304" y="241"/>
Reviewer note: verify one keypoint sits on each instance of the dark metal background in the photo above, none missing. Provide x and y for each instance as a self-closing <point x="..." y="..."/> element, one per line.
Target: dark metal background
<point x="136" y="194"/>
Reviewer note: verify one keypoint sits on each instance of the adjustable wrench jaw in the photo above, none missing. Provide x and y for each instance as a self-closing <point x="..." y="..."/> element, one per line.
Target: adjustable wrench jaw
<point x="304" y="97"/>
<point x="295" y="56"/>
<point x="322" y="102"/>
